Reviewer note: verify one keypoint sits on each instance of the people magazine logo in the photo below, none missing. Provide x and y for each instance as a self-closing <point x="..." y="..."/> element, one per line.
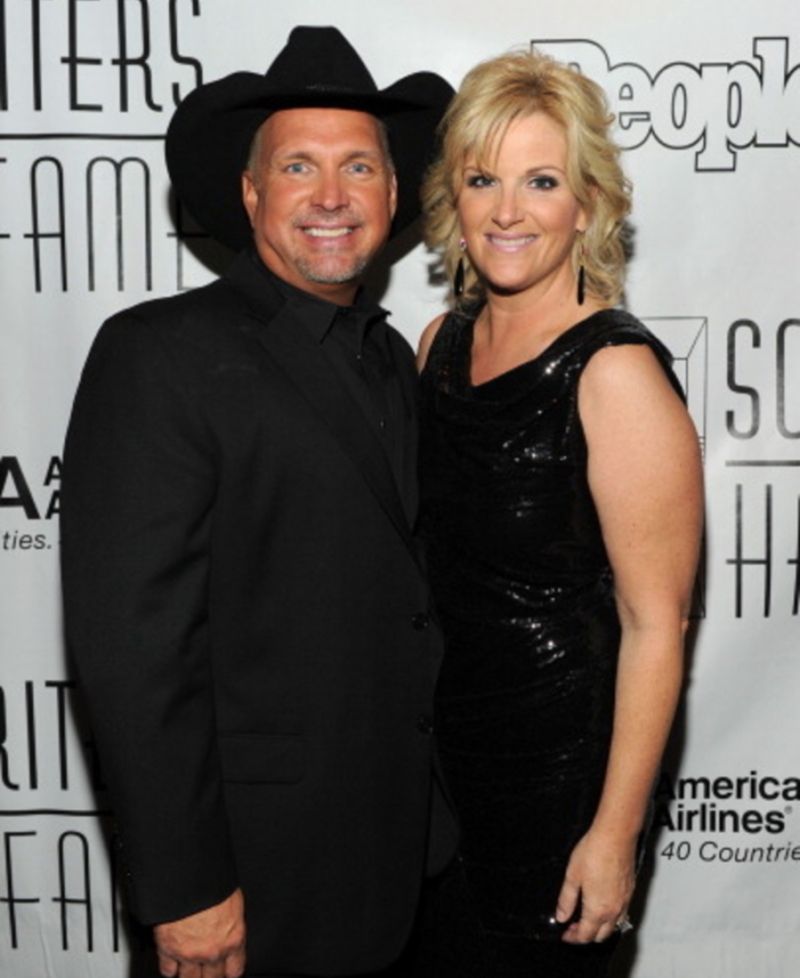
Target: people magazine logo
<point x="726" y="819"/>
<point x="718" y="109"/>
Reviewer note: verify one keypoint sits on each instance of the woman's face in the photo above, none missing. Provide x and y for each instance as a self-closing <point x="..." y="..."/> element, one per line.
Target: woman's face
<point x="517" y="212"/>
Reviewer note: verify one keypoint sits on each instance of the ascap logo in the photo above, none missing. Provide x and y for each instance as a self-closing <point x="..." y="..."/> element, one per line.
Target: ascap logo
<point x="33" y="496"/>
<point x="716" y="108"/>
<point x="708" y="805"/>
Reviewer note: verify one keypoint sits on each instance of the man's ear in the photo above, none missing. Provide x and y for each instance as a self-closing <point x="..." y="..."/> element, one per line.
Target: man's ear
<point x="249" y="194"/>
<point x="393" y="194"/>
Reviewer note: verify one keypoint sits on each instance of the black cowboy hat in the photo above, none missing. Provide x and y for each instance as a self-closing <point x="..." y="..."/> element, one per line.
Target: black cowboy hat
<point x="209" y="137"/>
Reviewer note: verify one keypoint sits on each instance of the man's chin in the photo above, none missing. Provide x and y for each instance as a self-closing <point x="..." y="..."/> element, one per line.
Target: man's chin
<point x="333" y="272"/>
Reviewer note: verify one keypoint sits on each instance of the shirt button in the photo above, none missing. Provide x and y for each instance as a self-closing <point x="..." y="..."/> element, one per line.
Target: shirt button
<point x="420" y="621"/>
<point x="425" y="723"/>
<point x="382" y="423"/>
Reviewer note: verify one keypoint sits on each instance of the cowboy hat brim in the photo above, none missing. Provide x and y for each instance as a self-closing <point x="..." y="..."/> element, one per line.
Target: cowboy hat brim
<point x="211" y="132"/>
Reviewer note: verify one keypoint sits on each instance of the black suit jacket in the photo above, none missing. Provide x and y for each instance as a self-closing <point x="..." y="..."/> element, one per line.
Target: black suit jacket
<point x="247" y="610"/>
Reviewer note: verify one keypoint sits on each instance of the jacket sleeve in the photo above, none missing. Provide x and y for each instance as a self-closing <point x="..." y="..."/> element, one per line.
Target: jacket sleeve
<point x="137" y="504"/>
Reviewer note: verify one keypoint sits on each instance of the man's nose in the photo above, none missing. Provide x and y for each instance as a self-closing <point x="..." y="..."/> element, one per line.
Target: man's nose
<point x="330" y="190"/>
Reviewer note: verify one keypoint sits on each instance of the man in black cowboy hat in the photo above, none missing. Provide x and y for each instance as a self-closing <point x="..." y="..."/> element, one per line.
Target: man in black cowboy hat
<point x="244" y="597"/>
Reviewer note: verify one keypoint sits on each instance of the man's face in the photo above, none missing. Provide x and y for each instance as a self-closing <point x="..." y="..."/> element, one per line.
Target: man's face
<point x="321" y="198"/>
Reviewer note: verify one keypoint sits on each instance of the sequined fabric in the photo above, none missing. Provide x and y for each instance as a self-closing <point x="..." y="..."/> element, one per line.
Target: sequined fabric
<point x="525" y="594"/>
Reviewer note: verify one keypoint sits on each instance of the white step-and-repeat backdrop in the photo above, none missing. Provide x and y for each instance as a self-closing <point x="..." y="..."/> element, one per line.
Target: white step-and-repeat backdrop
<point x="707" y="97"/>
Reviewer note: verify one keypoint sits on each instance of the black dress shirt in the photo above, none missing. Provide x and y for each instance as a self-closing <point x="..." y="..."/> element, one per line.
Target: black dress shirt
<point x="355" y="341"/>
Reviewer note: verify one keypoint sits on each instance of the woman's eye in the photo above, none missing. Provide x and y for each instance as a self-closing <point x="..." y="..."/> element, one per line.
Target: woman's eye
<point x="478" y="180"/>
<point x="543" y="182"/>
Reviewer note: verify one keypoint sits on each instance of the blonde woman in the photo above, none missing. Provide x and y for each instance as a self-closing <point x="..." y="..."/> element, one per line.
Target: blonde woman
<point x="562" y="502"/>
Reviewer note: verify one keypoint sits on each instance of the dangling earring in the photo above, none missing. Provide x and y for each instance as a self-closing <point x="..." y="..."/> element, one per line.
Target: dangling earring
<point x="581" y="279"/>
<point x="458" y="278"/>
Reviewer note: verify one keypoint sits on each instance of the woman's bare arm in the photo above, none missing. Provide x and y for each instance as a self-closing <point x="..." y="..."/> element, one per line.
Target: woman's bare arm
<point x="646" y="480"/>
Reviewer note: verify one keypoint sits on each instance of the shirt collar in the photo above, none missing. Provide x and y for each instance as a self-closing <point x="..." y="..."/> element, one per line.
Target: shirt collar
<point x="320" y="316"/>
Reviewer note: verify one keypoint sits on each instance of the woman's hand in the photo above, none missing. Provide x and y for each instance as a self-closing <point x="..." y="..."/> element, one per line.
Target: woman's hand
<point x="601" y="877"/>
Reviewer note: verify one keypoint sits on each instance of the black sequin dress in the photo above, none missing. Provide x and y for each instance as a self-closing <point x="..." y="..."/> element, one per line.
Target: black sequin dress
<point x="525" y="594"/>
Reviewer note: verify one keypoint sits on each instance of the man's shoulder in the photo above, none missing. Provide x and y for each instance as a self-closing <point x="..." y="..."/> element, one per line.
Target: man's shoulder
<point x="190" y="331"/>
<point x="207" y="318"/>
<point x="204" y="307"/>
<point x="399" y="343"/>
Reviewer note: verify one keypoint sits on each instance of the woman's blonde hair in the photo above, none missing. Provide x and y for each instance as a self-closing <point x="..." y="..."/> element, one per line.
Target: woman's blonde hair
<point x="494" y="94"/>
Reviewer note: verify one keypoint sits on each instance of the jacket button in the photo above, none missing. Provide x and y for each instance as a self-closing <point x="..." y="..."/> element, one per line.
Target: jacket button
<point x="425" y="723"/>
<point x="420" y="621"/>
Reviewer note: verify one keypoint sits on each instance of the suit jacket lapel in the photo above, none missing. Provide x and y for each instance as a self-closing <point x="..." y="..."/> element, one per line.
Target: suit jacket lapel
<point x="291" y="346"/>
